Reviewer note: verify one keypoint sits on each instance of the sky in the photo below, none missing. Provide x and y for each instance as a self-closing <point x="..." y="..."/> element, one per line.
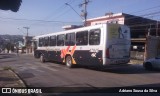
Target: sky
<point x="48" y="16"/>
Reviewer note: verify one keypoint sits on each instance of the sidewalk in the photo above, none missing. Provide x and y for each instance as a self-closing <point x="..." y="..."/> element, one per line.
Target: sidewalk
<point x="9" y="79"/>
<point x="132" y="61"/>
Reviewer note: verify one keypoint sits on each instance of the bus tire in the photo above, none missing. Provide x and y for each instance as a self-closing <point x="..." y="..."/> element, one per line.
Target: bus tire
<point x="68" y="62"/>
<point x="42" y="58"/>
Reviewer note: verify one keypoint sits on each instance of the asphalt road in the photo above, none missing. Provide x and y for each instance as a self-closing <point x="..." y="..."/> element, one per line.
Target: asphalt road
<point x="50" y="74"/>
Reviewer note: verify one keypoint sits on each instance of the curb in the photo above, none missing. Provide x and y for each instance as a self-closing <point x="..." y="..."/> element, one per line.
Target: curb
<point x="18" y="77"/>
<point x="24" y="84"/>
<point x="133" y="61"/>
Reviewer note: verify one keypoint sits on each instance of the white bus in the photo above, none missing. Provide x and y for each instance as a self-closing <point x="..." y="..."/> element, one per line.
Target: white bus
<point x="98" y="45"/>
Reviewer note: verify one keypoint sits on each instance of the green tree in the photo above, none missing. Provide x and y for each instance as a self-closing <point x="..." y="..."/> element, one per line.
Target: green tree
<point x="8" y="47"/>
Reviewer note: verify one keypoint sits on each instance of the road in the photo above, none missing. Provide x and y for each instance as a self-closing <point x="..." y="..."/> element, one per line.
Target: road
<point x="50" y="74"/>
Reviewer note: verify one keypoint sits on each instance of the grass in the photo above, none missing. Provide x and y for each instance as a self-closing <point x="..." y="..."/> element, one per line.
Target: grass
<point x="7" y="68"/>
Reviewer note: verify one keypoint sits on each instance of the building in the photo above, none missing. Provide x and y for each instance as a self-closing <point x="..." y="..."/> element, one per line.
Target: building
<point x="27" y="44"/>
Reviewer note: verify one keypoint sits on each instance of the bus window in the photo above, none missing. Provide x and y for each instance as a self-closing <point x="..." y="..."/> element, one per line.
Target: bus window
<point x="34" y="45"/>
<point x="60" y="40"/>
<point x="94" y="37"/>
<point x="82" y="38"/>
<point x="53" y="41"/>
<point x="70" y="39"/>
<point x="46" y="41"/>
<point x="40" y="42"/>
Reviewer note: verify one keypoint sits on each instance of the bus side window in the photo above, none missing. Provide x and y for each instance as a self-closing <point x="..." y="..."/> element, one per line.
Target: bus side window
<point x="94" y="37"/>
<point x="60" y="40"/>
<point x="70" y="39"/>
<point x="46" y="41"/>
<point x="82" y="38"/>
<point x="40" y="42"/>
<point x="52" y="41"/>
<point x="35" y="45"/>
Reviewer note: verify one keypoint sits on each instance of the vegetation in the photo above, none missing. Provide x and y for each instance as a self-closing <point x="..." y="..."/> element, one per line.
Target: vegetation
<point x="7" y="68"/>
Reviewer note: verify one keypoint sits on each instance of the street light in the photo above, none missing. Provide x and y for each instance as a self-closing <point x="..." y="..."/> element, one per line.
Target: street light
<point x="21" y="30"/>
<point x="27" y="29"/>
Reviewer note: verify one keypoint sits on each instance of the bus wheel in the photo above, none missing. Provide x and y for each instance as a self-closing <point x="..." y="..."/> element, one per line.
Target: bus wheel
<point x="42" y="59"/>
<point x="69" y="62"/>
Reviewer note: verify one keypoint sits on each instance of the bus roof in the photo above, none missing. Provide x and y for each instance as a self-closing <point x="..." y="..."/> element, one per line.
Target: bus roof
<point x="74" y="30"/>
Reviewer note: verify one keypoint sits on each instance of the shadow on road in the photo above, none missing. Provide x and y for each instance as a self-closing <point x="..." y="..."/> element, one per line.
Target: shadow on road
<point x="26" y="75"/>
<point x="129" y="69"/>
<point x="5" y="57"/>
<point x="8" y="79"/>
<point x="7" y="61"/>
<point x="132" y="69"/>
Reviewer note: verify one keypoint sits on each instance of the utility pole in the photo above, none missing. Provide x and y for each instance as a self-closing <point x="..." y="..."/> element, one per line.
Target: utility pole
<point x="157" y="29"/>
<point x="149" y="30"/>
<point x="27" y="30"/>
<point x="84" y="11"/>
<point x="26" y="42"/>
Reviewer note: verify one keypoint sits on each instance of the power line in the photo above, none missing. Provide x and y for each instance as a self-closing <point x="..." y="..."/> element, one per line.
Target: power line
<point x="62" y="14"/>
<point x="153" y="14"/>
<point x="74" y="10"/>
<point x="144" y="29"/>
<point x="57" y="10"/>
<point x="21" y="30"/>
<point x="37" y="20"/>
<point x="140" y="16"/>
<point x="145" y="9"/>
<point x="54" y="18"/>
<point x="143" y="24"/>
<point x="73" y="22"/>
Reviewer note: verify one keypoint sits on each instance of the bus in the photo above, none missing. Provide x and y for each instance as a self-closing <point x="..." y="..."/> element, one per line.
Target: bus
<point x="97" y="45"/>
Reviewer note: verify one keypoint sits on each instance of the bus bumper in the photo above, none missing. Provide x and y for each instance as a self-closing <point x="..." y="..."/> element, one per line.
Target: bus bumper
<point x="107" y="62"/>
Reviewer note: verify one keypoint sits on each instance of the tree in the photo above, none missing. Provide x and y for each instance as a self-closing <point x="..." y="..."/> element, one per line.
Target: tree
<point x="8" y="47"/>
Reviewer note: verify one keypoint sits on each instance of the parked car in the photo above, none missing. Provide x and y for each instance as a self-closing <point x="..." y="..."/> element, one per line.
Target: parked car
<point x="153" y="63"/>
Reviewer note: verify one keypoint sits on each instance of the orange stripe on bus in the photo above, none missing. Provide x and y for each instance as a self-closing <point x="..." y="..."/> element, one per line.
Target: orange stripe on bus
<point x="73" y="49"/>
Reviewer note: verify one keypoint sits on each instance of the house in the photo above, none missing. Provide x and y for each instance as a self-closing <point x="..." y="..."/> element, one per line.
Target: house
<point x="28" y="43"/>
